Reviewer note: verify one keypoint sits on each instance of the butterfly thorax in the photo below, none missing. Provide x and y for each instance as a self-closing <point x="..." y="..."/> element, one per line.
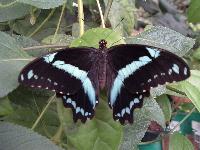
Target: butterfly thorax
<point x="102" y="44"/>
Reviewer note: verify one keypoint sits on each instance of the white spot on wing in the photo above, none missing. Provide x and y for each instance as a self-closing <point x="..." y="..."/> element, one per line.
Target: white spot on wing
<point x="30" y="74"/>
<point x="131" y="104"/>
<point x="136" y="100"/>
<point x="36" y="77"/>
<point x="86" y="113"/>
<point x="69" y="100"/>
<point x="49" y="80"/>
<point x="155" y="76"/>
<point x="73" y="104"/>
<point x="175" y="68"/>
<point x="170" y="71"/>
<point x="128" y="110"/>
<point x="185" y="71"/>
<point x="82" y="111"/>
<point x="22" y="77"/>
<point x="123" y="112"/>
<point x="78" y="110"/>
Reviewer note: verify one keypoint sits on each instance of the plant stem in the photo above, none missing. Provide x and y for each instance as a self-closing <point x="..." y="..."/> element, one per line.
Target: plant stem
<point x="101" y="14"/>
<point x="7" y="5"/>
<point x="43" y="111"/>
<point x="59" y="22"/>
<point x="41" y="25"/>
<point x="188" y="115"/>
<point x="80" y="17"/>
<point x="107" y="10"/>
<point x="43" y="46"/>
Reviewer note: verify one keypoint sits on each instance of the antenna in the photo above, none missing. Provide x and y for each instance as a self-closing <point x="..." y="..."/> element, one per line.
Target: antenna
<point x="114" y="28"/>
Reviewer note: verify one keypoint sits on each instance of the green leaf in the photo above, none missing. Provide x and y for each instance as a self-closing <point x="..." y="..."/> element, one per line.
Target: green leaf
<point x="44" y="4"/>
<point x="196" y="54"/>
<point x="18" y="137"/>
<point x="96" y="134"/>
<point x="193" y="11"/>
<point x="133" y="134"/>
<point x="14" y="11"/>
<point x="92" y="37"/>
<point x="164" y="38"/>
<point x="25" y="42"/>
<point x="122" y="9"/>
<point x="191" y="87"/>
<point x="61" y="39"/>
<point x="179" y="142"/>
<point x="24" y="27"/>
<point x="12" y="60"/>
<point x="5" y="107"/>
<point x="165" y="105"/>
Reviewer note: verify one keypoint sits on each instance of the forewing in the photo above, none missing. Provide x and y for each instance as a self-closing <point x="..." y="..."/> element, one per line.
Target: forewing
<point x="70" y="73"/>
<point x="132" y="70"/>
<point x="138" y="67"/>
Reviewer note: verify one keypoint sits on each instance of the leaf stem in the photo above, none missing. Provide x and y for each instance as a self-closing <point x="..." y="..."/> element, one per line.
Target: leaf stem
<point x="8" y="5"/>
<point x="59" y="22"/>
<point x="42" y="24"/>
<point x="101" y="14"/>
<point x="43" y="46"/>
<point x="80" y="17"/>
<point x="107" y="10"/>
<point x="43" y="111"/>
<point x="186" y="117"/>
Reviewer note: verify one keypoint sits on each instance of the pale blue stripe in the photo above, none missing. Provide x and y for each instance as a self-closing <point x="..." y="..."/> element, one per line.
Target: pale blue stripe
<point x="49" y="58"/>
<point x="153" y="52"/>
<point x="125" y="73"/>
<point x="81" y="75"/>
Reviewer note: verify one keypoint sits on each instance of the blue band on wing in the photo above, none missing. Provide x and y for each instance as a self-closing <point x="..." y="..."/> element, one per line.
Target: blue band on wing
<point x="81" y="75"/>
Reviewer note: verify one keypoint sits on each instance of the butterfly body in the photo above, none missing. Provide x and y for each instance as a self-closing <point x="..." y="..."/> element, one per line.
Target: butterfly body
<point x="126" y="71"/>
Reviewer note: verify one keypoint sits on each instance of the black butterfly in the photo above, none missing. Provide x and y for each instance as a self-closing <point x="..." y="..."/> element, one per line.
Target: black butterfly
<point x="127" y="71"/>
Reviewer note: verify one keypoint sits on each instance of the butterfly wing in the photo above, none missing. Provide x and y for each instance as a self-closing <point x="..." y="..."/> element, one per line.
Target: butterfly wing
<point x="69" y="72"/>
<point x="136" y="69"/>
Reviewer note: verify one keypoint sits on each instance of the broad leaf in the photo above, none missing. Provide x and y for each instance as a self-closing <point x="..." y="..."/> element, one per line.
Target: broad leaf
<point x="25" y="42"/>
<point x="102" y="132"/>
<point x="24" y="27"/>
<point x="193" y="11"/>
<point x="192" y="88"/>
<point x="92" y="37"/>
<point x="61" y="39"/>
<point x="164" y="38"/>
<point x="5" y="106"/>
<point x="14" y="11"/>
<point x="20" y="138"/>
<point x="179" y="142"/>
<point x="133" y="134"/>
<point x="165" y="105"/>
<point x="44" y="4"/>
<point x="12" y="60"/>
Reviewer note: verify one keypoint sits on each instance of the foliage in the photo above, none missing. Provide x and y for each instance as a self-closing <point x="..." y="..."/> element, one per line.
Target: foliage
<point x="27" y="24"/>
<point x="179" y="142"/>
<point x="193" y="12"/>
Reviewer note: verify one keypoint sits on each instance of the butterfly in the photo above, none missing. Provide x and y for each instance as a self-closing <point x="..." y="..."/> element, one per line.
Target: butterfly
<point x="126" y="71"/>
